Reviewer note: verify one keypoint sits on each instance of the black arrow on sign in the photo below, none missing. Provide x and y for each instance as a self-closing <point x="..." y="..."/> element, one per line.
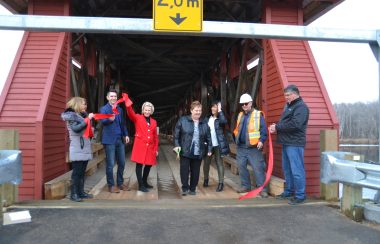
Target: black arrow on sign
<point x="178" y="20"/>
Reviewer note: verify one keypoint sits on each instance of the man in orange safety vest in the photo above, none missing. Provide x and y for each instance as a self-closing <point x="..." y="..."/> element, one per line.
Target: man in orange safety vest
<point x="250" y="134"/>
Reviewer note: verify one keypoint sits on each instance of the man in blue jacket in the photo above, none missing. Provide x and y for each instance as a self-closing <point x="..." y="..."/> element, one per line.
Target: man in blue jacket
<point x="291" y="133"/>
<point x="114" y="137"/>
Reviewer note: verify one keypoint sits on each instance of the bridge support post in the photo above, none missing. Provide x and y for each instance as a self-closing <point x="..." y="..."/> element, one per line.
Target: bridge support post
<point x="352" y="195"/>
<point x="329" y="142"/>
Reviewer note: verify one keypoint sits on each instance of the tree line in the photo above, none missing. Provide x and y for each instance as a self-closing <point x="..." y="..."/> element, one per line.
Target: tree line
<point x="358" y="121"/>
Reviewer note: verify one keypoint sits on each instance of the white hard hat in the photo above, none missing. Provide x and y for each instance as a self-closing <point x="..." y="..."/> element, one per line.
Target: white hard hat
<point x="245" y="98"/>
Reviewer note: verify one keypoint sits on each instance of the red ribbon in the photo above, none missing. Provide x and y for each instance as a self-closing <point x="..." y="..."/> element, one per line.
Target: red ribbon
<point x="103" y="116"/>
<point x="256" y="191"/>
<point x="124" y="99"/>
<point x="88" y="132"/>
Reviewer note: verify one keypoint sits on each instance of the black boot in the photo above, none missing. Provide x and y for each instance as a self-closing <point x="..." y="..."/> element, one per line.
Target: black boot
<point x="220" y="187"/>
<point x="205" y="183"/>
<point x="139" y="178"/>
<point x="147" y="185"/>
<point x="145" y="176"/>
<point x="82" y="193"/>
<point x="74" y="192"/>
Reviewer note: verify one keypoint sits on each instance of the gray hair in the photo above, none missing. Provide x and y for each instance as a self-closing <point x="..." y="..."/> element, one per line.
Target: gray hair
<point x="292" y="89"/>
<point x="148" y="104"/>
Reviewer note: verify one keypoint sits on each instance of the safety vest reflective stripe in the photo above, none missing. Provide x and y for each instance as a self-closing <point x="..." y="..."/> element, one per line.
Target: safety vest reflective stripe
<point x="253" y="127"/>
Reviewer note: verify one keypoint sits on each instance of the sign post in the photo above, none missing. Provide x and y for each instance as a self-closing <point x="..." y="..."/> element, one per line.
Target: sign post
<point x="178" y="15"/>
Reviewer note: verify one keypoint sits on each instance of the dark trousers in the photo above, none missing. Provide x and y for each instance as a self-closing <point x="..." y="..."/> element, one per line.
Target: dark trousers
<point x="77" y="176"/>
<point x="192" y="166"/>
<point x="142" y="178"/>
<point x="219" y="164"/>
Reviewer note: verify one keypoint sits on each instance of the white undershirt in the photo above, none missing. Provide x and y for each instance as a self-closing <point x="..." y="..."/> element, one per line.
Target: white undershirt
<point x="211" y="124"/>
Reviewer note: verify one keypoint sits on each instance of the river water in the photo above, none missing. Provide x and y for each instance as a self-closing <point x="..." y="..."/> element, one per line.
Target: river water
<point x="370" y="152"/>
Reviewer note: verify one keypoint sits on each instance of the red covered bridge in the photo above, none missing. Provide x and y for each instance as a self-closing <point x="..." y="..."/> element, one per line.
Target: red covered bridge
<point x="168" y="69"/>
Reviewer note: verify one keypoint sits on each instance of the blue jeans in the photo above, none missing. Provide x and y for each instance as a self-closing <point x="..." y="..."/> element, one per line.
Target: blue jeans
<point x="294" y="170"/>
<point x="112" y="150"/>
<point x="255" y="158"/>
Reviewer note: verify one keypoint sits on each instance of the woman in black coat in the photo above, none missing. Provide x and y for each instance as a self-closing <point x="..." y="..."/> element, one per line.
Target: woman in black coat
<point x="220" y="146"/>
<point x="192" y="142"/>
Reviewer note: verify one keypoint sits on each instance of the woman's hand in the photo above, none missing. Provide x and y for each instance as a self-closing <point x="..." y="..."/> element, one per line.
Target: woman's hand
<point x="91" y="115"/>
<point x="219" y="107"/>
<point x="209" y="154"/>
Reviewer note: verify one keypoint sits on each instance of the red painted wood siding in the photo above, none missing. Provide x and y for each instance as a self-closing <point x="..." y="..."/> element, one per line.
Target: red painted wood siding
<point x="292" y="62"/>
<point x="54" y="145"/>
<point x="32" y="99"/>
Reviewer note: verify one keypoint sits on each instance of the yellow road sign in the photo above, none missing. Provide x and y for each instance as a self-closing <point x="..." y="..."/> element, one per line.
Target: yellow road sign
<point x="177" y="15"/>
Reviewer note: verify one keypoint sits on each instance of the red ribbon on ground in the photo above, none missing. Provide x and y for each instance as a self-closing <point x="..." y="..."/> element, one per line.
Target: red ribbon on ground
<point x="256" y="191"/>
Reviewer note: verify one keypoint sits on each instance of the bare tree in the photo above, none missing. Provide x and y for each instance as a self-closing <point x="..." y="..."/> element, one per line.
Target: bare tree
<point x="358" y="120"/>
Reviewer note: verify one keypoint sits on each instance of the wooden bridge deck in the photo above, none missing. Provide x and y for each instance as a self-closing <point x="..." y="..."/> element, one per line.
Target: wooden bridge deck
<point x="166" y="182"/>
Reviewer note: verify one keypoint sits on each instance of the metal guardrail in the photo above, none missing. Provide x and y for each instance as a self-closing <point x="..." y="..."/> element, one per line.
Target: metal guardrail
<point x="334" y="168"/>
<point x="10" y="167"/>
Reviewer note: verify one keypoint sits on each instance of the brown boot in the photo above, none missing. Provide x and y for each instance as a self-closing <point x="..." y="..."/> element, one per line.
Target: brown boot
<point x="113" y="189"/>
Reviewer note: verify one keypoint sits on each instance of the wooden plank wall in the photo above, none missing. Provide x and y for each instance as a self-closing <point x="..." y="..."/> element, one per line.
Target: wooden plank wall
<point x="54" y="143"/>
<point x="292" y="62"/>
<point x="33" y="97"/>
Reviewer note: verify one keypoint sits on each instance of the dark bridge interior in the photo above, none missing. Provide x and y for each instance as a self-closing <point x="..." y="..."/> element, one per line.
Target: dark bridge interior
<point x="158" y="68"/>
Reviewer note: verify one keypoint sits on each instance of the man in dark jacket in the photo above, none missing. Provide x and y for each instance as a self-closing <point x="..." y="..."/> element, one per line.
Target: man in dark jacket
<point x="291" y="133"/>
<point x="113" y="136"/>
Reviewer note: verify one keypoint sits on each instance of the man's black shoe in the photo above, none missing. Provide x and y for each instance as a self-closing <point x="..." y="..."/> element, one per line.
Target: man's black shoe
<point x="193" y="193"/>
<point x="243" y="190"/>
<point x="284" y="196"/>
<point x="185" y="192"/>
<point x="296" y="201"/>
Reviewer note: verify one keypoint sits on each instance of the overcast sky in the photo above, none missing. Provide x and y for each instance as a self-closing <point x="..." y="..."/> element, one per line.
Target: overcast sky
<point x="350" y="71"/>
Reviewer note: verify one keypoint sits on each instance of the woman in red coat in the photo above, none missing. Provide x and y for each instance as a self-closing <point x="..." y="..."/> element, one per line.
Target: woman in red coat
<point x="145" y="146"/>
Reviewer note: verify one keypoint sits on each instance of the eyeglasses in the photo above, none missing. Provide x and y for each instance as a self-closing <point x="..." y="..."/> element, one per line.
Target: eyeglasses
<point x="244" y="104"/>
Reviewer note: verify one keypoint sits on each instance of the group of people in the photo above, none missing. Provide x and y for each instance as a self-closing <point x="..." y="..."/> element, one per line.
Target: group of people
<point x="114" y="138"/>
<point x="195" y="139"/>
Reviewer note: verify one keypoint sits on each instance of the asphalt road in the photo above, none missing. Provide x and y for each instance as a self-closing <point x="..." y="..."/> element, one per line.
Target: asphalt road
<point x="182" y="222"/>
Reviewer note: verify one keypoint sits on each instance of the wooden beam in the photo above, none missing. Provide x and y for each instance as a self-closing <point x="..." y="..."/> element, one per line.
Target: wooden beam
<point x="257" y="79"/>
<point x="157" y="56"/>
<point x="164" y="89"/>
<point x="203" y="95"/>
<point x="151" y="54"/>
<point x="237" y="93"/>
<point x="329" y="142"/>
